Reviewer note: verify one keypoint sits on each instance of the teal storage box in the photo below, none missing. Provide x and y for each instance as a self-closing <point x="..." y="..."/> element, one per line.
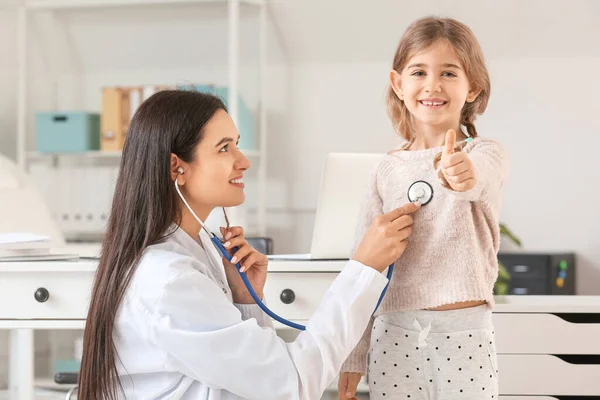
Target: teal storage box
<point x="245" y="123"/>
<point x="67" y="132"/>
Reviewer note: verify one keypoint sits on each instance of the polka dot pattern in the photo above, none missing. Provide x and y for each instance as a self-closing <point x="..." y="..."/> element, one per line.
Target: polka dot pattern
<point x="460" y="364"/>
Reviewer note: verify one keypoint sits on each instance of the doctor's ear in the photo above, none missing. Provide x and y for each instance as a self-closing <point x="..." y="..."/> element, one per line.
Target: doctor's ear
<point x="177" y="171"/>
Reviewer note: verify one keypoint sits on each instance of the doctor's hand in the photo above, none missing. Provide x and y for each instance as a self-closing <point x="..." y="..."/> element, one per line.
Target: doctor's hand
<point x="347" y="385"/>
<point x="457" y="169"/>
<point x="252" y="262"/>
<point x="385" y="240"/>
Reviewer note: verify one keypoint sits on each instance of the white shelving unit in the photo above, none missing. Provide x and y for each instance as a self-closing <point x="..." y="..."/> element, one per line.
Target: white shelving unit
<point x="27" y="7"/>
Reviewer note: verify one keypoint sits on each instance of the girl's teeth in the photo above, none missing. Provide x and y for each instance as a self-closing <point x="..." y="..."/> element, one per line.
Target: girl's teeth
<point x="430" y="103"/>
<point x="236" y="181"/>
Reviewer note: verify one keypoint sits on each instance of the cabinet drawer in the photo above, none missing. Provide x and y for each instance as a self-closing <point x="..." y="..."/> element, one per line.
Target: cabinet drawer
<point x="546" y="334"/>
<point x="527" y="287"/>
<point x="302" y="291"/>
<point x="546" y="398"/>
<point x="534" y="374"/>
<point x="526" y="266"/>
<point x="60" y="295"/>
<point x="533" y="398"/>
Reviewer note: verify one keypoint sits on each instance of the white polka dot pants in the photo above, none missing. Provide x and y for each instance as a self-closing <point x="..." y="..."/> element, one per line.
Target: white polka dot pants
<point x="438" y="355"/>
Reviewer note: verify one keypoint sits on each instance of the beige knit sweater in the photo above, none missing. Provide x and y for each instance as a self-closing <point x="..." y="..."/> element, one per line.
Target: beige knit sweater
<point x="452" y="253"/>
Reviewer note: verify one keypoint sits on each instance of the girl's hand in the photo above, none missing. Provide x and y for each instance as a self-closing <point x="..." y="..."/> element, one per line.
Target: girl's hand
<point x="456" y="167"/>
<point x="347" y="385"/>
<point x="253" y="263"/>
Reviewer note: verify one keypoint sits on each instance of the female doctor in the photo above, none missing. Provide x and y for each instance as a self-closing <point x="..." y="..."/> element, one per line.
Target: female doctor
<point x="170" y="318"/>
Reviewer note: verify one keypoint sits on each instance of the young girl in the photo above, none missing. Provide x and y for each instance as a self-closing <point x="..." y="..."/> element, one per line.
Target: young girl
<point x="432" y="336"/>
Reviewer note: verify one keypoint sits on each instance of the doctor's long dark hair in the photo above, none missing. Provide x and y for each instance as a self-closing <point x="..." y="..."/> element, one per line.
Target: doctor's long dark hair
<point x="143" y="207"/>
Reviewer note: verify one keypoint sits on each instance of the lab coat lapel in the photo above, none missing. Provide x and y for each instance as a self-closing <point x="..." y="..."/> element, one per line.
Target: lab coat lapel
<point x="206" y="254"/>
<point x="193" y="247"/>
<point x="213" y="255"/>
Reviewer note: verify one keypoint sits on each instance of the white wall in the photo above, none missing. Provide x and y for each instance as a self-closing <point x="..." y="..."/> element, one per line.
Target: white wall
<point x="547" y="118"/>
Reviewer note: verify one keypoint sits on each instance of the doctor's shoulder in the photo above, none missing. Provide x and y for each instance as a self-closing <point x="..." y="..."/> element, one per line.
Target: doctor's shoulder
<point x="163" y="262"/>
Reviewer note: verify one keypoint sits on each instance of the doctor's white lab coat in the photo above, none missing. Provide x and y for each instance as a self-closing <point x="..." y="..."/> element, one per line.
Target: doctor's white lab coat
<point x="179" y="335"/>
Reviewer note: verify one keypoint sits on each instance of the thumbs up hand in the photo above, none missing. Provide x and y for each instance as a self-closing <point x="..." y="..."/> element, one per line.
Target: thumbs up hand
<point x="456" y="166"/>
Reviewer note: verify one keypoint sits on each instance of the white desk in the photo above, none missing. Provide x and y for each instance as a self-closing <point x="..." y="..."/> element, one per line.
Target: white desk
<point x="531" y="331"/>
<point x="68" y="285"/>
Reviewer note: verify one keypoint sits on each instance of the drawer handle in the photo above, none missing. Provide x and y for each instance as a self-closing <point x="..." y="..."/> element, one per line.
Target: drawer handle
<point x="287" y="296"/>
<point x="521" y="268"/>
<point x="580" y="318"/>
<point x="520" y="291"/>
<point x="42" y="295"/>
<point x="581" y="359"/>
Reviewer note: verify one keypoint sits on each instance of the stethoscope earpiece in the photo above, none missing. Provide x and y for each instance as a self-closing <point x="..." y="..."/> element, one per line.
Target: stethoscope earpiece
<point x="180" y="170"/>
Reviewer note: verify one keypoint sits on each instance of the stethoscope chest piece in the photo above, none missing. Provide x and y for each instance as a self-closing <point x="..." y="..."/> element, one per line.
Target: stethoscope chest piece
<point x="420" y="191"/>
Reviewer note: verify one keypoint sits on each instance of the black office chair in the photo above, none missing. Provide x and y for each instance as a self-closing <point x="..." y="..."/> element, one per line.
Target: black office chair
<point x="67" y="378"/>
<point x="262" y="244"/>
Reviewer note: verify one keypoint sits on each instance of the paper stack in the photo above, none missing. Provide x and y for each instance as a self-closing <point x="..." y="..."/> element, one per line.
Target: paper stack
<point x="28" y="247"/>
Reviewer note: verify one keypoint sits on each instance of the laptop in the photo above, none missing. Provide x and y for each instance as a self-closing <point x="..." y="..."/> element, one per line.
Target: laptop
<point x="343" y="187"/>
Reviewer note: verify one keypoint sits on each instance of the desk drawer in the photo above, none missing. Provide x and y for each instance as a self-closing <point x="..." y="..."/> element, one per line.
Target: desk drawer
<point x="522" y="286"/>
<point x="60" y="295"/>
<point x="540" y="398"/>
<point x="302" y="291"/>
<point x="535" y="374"/>
<point x="547" y="333"/>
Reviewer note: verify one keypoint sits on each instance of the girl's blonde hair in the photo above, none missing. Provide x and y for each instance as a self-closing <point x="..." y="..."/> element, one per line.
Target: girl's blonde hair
<point x="419" y="36"/>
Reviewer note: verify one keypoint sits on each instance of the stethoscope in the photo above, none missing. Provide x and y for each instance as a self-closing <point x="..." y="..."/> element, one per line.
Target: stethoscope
<point x="418" y="191"/>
